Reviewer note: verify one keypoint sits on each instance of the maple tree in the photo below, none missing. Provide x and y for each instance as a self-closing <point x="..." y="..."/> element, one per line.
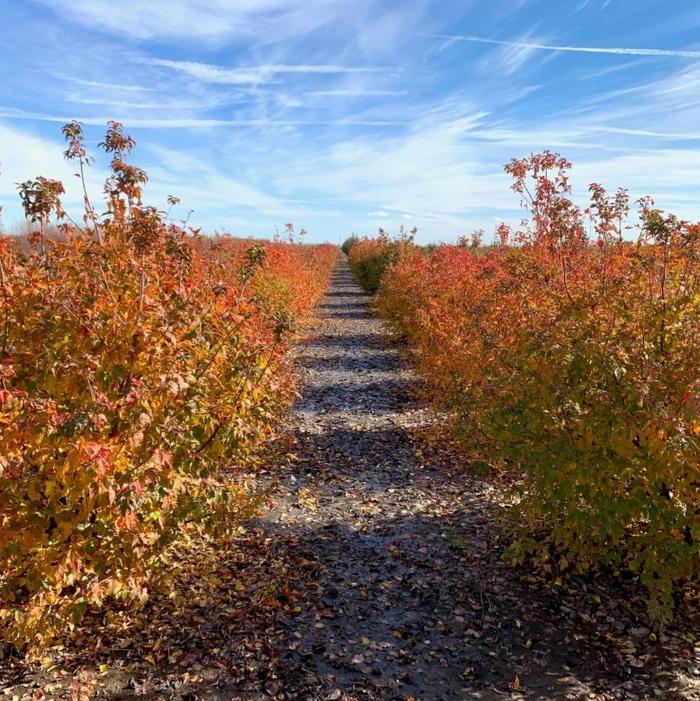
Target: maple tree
<point x="569" y="350"/>
<point x="142" y="367"/>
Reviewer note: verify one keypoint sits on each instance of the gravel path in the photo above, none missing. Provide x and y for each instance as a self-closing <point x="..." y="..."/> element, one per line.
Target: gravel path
<point x="413" y="599"/>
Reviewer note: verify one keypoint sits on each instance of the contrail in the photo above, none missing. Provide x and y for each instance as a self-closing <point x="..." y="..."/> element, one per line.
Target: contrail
<point x="579" y="49"/>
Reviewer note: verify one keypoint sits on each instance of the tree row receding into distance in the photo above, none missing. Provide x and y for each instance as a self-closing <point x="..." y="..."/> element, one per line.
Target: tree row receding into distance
<point x="143" y="367"/>
<point x="568" y="353"/>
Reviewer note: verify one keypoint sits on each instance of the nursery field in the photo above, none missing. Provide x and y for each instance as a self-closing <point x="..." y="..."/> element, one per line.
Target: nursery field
<point x="251" y="469"/>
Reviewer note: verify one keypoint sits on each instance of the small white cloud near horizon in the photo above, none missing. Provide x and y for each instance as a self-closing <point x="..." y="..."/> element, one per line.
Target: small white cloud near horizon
<point x="378" y="213"/>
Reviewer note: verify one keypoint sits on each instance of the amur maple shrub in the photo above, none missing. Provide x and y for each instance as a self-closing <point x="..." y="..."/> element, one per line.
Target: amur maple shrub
<point x="570" y="351"/>
<point x="142" y="368"/>
<point x="349" y="242"/>
<point x="370" y="257"/>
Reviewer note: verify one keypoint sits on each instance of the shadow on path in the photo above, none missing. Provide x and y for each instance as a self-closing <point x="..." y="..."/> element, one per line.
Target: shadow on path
<point x="414" y="599"/>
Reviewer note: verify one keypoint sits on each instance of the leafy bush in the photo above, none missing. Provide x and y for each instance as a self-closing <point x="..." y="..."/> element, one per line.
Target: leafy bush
<point x="369" y="258"/>
<point x="576" y="359"/>
<point x="142" y="366"/>
<point x="349" y="243"/>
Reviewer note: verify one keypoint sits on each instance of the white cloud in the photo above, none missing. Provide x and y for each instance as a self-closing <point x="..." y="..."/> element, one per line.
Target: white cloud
<point x="432" y="172"/>
<point x="434" y="149"/>
<point x="200" y="185"/>
<point x="671" y="136"/>
<point x="118" y="87"/>
<point x="356" y="93"/>
<point x="219" y="200"/>
<point x="191" y="122"/>
<point x="25" y="155"/>
<point x="514" y="56"/>
<point x="192" y="104"/>
<point x="252" y="75"/>
<point x="447" y="172"/>
<point x="207" y="20"/>
<point x="677" y="53"/>
<point x="670" y="176"/>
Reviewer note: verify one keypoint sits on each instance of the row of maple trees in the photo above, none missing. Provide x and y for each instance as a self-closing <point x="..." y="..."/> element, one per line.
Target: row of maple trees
<point x="143" y="367"/>
<point x="569" y="353"/>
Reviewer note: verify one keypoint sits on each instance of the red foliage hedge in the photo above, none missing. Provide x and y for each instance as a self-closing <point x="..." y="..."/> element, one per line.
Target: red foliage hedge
<point x="142" y="367"/>
<point x="571" y="351"/>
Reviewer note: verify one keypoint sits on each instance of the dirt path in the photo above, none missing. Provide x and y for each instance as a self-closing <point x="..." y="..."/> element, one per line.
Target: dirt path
<point x="413" y="598"/>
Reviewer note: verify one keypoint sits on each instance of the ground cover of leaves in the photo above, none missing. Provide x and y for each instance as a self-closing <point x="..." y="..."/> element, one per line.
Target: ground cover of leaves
<point x="376" y="573"/>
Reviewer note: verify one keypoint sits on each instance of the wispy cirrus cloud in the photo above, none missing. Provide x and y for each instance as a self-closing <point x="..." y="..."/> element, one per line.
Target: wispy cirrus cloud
<point x="192" y="104"/>
<point x="357" y="93"/>
<point x="117" y="87"/>
<point x="26" y="154"/>
<point x="218" y="198"/>
<point x="514" y="57"/>
<point x="670" y="136"/>
<point x="333" y="112"/>
<point x="202" y="20"/>
<point x="253" y="75"/>
<point x="534" y="46"/>
<point x="192" y="122"/>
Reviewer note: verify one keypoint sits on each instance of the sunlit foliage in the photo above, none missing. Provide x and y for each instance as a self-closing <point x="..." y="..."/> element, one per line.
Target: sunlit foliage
<point x="570" y="351"/>
<point x="142" y="367"/>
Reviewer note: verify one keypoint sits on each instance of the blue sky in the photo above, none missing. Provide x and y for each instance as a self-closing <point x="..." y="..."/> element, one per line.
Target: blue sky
<point x="347" y="115"/>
